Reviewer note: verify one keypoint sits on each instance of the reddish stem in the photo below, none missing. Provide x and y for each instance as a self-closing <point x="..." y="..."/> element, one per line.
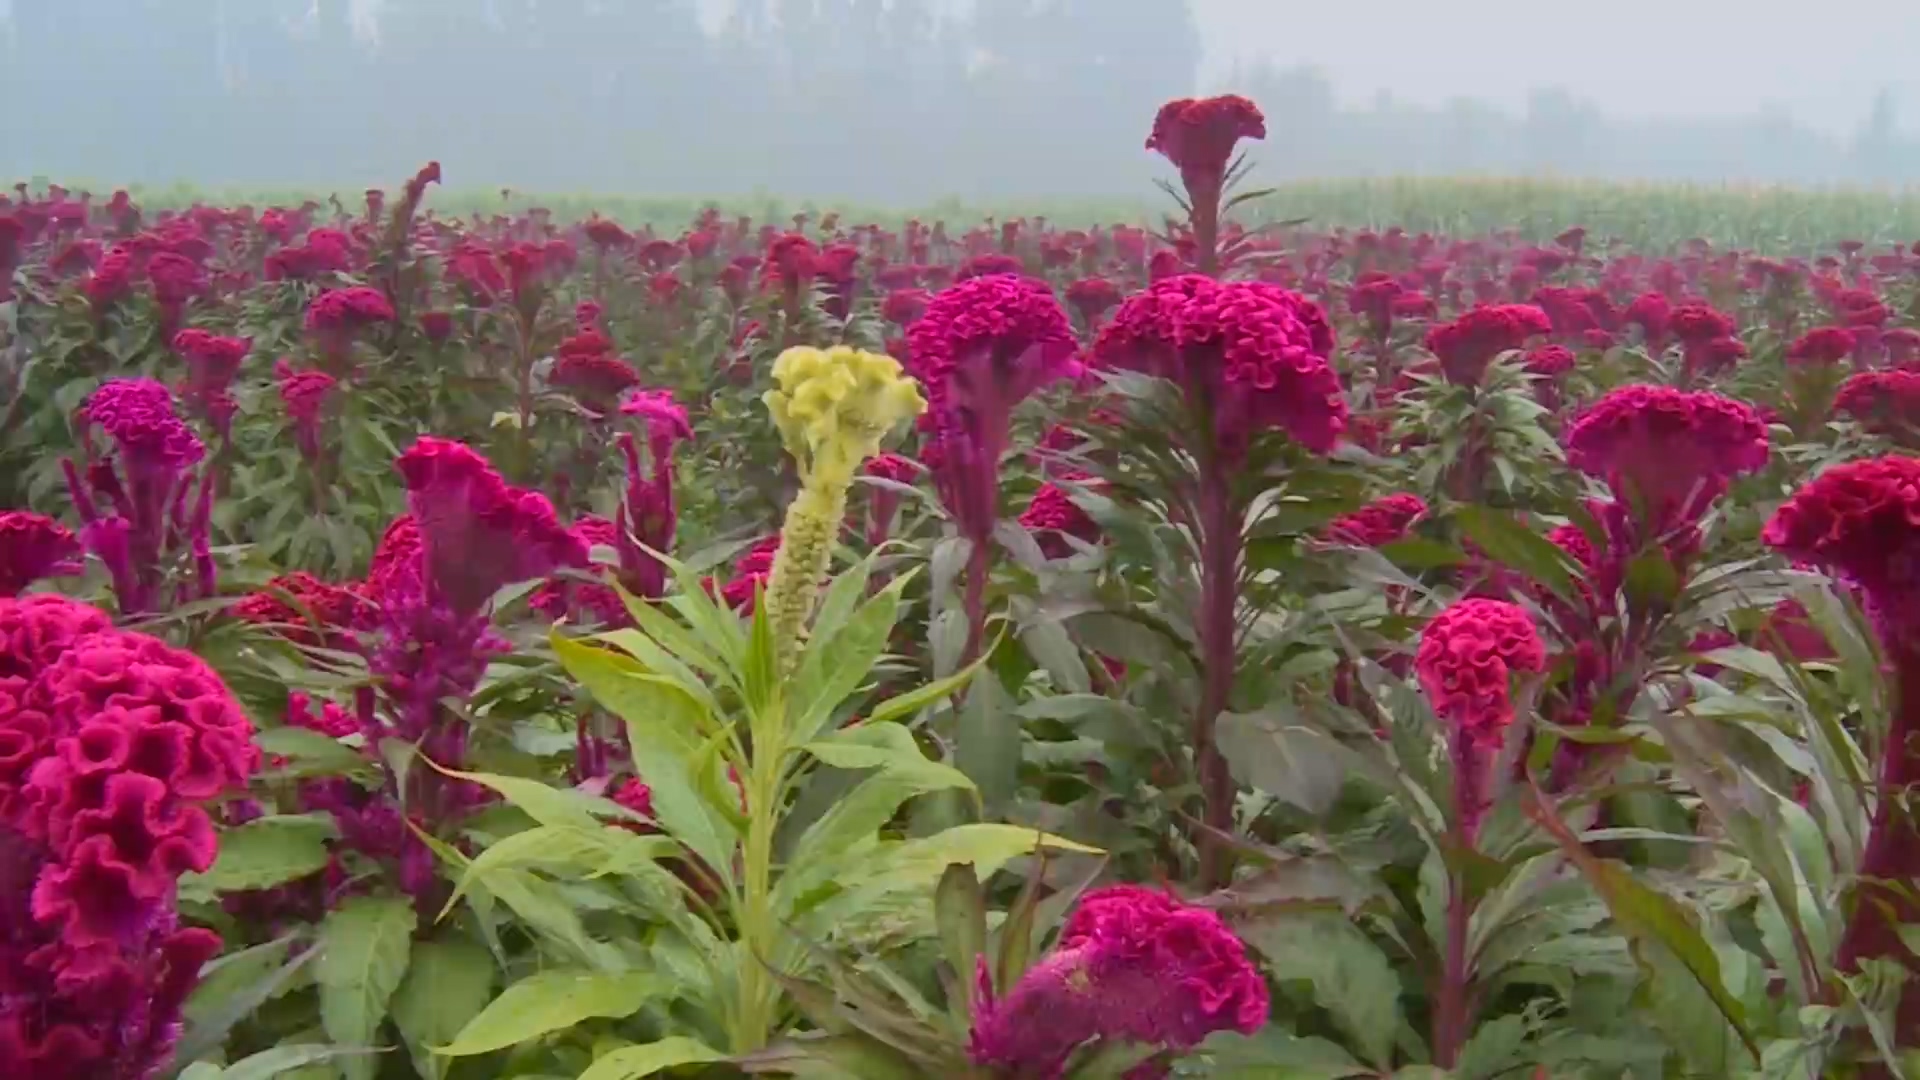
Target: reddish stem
<point x="979" y="566"/>
<point x="1891" y="864"/>
<point x="1452" y="1016"/>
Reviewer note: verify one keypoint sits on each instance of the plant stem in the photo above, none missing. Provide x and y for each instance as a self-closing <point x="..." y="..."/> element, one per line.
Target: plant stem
<point x="759" y="993"/>
<point x="1892" y="858"/>
<point x="979" y="568"/>
<point x="1219" y="541"/>
<point x="1451" y="1018"/>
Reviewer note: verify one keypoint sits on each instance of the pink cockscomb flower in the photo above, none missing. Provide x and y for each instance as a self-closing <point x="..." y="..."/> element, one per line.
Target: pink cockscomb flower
<point x="750" y="573"/>
<point x="1198" y="135"/>
<point x="32" y="547"/>
<point x="1468" y="344"/>
<point x="564" y="598"/>
<point x="302" y="608"/>
<point x="1669" y="452"/>
<point x="586" y="367"/>
<point x="1132" y="966"/>
<point x="1861" y="521"/>
<point x="1378" y="523"/>
<point x="883" y="503"/>
<point x="1467" y="658"/>
<point x="648" y="515"/>
<point x="980" y="349"/>
<point x="338" y="316"/>
<point x="480" y="534"/>
<point x="1252" y="356"/>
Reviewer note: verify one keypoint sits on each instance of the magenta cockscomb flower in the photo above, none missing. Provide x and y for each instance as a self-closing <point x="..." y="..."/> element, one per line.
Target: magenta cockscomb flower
<point x="587" y="367"/>
<point x="213" y="360"/>
<point x="1249" y="355"/>
<point x="1468" y="344"/>
<point x="110" y="742"/>
<point x="137" y="498"/>
<point x="480" y="534"/>
<point x="1379" y="523"/>
<point x="648" y="516"/>
<point x="1131" y="966"/>
<point x="33" y="546"/>
<point x="1468" y="655"/>
<point x="1822" y="345"/>
<point x="1667" y="453"/>
<point x="1886" y="403"/>
<point x="303" y="608"/>
<point x="565" y="598"/>
<point x="1053" y="517"/>
<point x="305" y="395"/>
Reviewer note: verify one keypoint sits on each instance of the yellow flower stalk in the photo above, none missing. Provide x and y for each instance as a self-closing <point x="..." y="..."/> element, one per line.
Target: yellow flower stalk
<point x="832" y="406"/>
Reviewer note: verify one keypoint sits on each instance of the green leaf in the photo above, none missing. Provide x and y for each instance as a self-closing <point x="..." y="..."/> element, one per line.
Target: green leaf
<point x="557" y="807"/>
<point x="916" y="865"/>
<point x="868" y="745"/>
<point x="633" y="1062"/>
<point x="271" y="1063"/>
<point x="550" y="1001"/>
<point x="231" y="988"/>
<point x="309" y="752"/>
<point x="1513" y="545"/>
<point x="597" y="849"/>
<point x="1297" y="765"/>
<point x="960" y="912"/>
<point x="1272" y="1053"/>
<point x="911" y="702"/>
<point x="365" y="946"/>
<point x="447" y="985"/>
<point x="988" y="741"/>
<point x="837" y="662"/>
<point x="1053" y="649"/>
<point x="1352" y="979"/>
<point x="264" y="853"/>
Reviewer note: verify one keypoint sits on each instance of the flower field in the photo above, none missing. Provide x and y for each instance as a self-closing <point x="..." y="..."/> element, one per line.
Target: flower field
<point x="551" y="645"/>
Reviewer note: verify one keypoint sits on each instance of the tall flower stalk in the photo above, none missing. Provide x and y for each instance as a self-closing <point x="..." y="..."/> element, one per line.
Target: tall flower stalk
<point x="1199" y="136"/>
<point x="1861" y="521"/>
<point x="1468" y="656"/>
<point x="1246" y="358"/>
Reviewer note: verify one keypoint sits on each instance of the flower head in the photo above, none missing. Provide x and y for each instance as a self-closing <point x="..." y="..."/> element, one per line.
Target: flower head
<point x="1131" y="966"/>
<point x="1824" y="345"/>
<point x="1198" y="135"/>
<point x="1378" y="523"/>
<point x="480" y="534"/>
<point x="1672" y="450"/>
<point x="1252" y="354"/>
<point x="1468" y="344"/>
<point x="833" y="406"/>
<point x="138" y="415"/>
<point x="1884" y="402"/>
<point x="1054" y="515"/>
<point x="32" y="547"/>
<point x="1467" y="657"/>
<point x="1861" y="521"/>
<point x="991" y="339"/>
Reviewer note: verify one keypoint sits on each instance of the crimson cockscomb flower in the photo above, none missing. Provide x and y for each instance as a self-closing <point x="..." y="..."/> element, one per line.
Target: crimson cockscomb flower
<point x="1090" y="298"/>
<point x="562" y="598"/>
<point x="212" y="362"/>
<point x="1653" y="313"/>
<point x="337" y="317"/>
<point x="33" y="546"/>
<point x="903" y="306"/>
<point x="147" y="485"/>
<point x="1825" y="345"/>
<point x="884" y="503"/>
<point x="1667" y="454"/>
<point x="111" y="281"/>
<point x="304" y="394"/>
<point x="1703" y="332"/>
<point x="586" y="367"/>
<point x="1132" y="966"/>
<point x="1468" y="344"/>
<point x="648" y="516"/>
<point x="750" y="573"/>
<point x="1053" y="517"/>
<point x="1886" y="403"/>
<point x="1379" y="523"/>
<point x="303" y="608"/>
<point x="1902" y="344"/>
<point x="1861" y="521"/>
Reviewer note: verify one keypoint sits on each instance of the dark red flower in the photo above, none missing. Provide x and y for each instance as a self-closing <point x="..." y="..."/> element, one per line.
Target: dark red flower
<point x="1378" y="523"/>
<point x="1199" y="135"/>
<point x="33" y="547"/>
<point x="1467" y="658"/>
<point x="1825" y="345"/>
<point x="1468" y="344"/>
<point x="1671" y="451"/>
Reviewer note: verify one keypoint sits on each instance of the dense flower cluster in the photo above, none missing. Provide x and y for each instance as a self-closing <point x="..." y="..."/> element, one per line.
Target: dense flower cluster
<point x="302" y="607"/>
<point x="1670" y="452"/>
<point x="1131" y="966"/>
<point x="1469" y="343"/>
<point x="1825" y="345"/>
<point x="1054" y="516"/>
<point x="1378" y="523"/>
<point x="110" y="742"/>
<point x="1861" y="520"/>
<point x="1884" y="402"/>
<point x="1467" y="658"/>
<point x="1252" y="356"/>
<point x="33" y="546"/>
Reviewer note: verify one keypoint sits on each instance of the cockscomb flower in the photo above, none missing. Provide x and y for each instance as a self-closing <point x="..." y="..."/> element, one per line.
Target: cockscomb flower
<point x="338" y="316"/>
<point x="1381" y="522"/>
<point x="1886" y="403"/>
<point x="648" y="516"/>
<point x="1861" y="521"/>
<point x="1198" y="135"/>
<point x="328" y="718"/>
<point x="884" y="503"/>
<point x="1468" y="344"/>
<point x="302" y="608"/>
<point x="1131" y="966"/>
<point x="832" y="408"/>
<point x="1467" y="659"/>
<point x="586" y="367"/>
<point x="212" y="359"/>
<point x="1053" y="516"/>
<point x="1249" y="355"/>
<point x="397" y="569"/>
<point x="33" y="546"/>
<point x="480" y="534"/>
<point x="1670" y="452"/>
<point x="560" y="598"/>
<point x="750" y="572"/>
<point x="304" y="395"/>
<point x="1825" y="345"/>
<point x="147" y="486"/>
<point x="1091" y="298"/>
